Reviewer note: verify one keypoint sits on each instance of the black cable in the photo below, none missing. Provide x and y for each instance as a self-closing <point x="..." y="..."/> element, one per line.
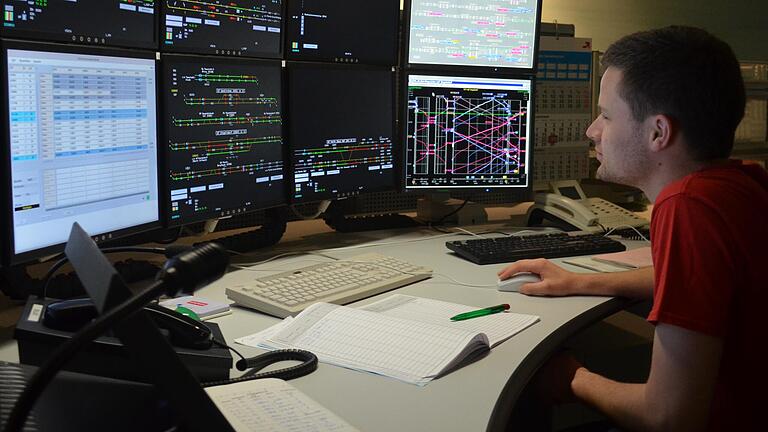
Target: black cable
<point x="602" y="227"/>
<point x="225" y="346"/>
<point x="308" y="365"/>
<point x="60" y="263"/>
<point x="186" y="271"/>
<point x="447" y="215"/>
<point x="39" y="381"/>
<point x="173" y="237"/>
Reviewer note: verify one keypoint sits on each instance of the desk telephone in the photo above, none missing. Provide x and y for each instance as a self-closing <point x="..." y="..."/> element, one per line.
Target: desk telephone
<point x="567" y="205"/>
<point x="71" y="315"/>
<point x="182" y="331"/>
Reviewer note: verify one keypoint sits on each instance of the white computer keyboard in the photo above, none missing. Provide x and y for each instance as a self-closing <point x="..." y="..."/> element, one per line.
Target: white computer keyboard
<point x="338" y="282"/>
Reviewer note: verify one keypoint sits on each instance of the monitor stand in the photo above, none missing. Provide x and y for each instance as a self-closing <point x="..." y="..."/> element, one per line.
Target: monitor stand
<point x="440" y="207"/>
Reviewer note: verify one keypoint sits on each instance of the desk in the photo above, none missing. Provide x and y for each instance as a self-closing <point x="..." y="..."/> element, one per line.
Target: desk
<point x="476" y="397"/>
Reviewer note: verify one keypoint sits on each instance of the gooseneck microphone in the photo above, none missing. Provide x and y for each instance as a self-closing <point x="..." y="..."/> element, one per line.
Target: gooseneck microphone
<point x="184" y="273"/>
<point x="193" y="269"/>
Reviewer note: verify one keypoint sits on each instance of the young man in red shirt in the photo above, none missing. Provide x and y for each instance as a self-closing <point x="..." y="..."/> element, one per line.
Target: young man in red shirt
<point x="670" y="101"/>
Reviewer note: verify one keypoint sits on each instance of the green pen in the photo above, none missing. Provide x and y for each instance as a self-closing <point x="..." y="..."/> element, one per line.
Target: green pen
<point x="480" y="312"/>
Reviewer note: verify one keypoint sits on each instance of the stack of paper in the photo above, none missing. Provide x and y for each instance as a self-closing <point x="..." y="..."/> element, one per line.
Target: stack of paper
<point x="204" y="308"/>
<point x="632" y="259"/>
<point x="408" y="338"/>
<point x="614" y="262"/>
<point x="273" y="405"/>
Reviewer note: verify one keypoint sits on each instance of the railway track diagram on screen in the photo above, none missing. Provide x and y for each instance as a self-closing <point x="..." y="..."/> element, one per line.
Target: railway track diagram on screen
<point x="466" y="135"/>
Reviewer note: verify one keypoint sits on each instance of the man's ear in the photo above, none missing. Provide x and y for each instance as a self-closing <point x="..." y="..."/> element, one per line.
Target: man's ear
<point x="662" y="131"/>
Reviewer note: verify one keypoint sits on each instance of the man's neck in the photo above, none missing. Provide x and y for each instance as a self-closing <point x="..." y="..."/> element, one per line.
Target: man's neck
<point x="668" y="172"/>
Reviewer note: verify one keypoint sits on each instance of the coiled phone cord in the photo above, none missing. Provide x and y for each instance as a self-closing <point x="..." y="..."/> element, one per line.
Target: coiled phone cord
<point x="255" y="364"/>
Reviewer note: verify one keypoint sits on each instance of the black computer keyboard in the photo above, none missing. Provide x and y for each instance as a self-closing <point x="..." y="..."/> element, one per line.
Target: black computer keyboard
<point x="508" y="249"/>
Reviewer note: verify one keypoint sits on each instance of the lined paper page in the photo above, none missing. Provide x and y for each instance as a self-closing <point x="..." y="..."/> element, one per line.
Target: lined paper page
<point x="498" y="327"/>
<point x="409" y="351"/>
<point x="273" y="405"/>
<point x="255" y="340"/>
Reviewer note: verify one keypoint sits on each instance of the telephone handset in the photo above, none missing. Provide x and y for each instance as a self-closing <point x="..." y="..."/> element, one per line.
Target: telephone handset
<point x="569" y="206"/>
<point x="567" y="209"/>
<point x="73" y="314"/>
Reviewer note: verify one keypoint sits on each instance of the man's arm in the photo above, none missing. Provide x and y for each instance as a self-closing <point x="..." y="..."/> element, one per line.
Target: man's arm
<point x="679" y="390"/>
<point x="556" y="281"/>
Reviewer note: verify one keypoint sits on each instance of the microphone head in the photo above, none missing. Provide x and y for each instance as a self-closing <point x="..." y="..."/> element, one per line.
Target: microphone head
<point x="194" y="269"/>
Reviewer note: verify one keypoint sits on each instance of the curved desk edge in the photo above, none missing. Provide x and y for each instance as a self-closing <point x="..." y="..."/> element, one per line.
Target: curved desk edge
<point x="519" y="379"/>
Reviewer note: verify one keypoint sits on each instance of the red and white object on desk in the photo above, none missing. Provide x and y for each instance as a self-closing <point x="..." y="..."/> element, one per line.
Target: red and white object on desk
<point x="204" y="308"/>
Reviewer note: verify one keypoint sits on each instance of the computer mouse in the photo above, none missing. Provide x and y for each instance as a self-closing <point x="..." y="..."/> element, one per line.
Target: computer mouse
<point x="517" y="280"/>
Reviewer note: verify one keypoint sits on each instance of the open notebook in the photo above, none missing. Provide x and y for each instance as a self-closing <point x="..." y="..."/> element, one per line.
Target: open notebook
<point x="408" y="338"/>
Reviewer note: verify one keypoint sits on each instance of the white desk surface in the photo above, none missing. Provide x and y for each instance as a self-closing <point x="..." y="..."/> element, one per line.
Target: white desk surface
<point x="460" y="401"/>
<point x="464" y="400"/>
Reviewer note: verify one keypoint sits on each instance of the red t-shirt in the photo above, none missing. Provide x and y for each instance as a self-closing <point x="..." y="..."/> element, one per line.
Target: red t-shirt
<point x="709" y="235"/>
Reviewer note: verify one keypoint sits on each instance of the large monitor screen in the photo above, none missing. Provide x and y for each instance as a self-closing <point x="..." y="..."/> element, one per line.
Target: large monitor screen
<point x="343" y="31"/>
<point x="129" y="23"/>
<point x="495" y="33"/>
<point x="82" y="144"/>
<point x="225" y="27"/>
<point x="223" y="136"/>
<point x="341" y="130"/>
<point x="467" y="132"/>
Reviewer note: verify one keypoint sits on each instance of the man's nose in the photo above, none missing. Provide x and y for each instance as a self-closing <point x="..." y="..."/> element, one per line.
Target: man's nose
<point x="593" y="131"/>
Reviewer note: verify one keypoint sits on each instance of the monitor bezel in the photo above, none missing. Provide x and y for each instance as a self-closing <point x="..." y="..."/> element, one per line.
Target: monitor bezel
<point x="471" y="69"/>
<point x="514" y="191"/>
<point x="172" y="49"/>
<point x="393" y="61"/>
<point x="11" y="256"/>
<point x="165" y="185"/>
<point x="14" y="33"/>
<point x="396" y="144"/>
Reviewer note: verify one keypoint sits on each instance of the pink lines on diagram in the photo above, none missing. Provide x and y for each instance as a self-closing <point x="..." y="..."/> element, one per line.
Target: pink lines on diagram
<point x="469" y="136"/>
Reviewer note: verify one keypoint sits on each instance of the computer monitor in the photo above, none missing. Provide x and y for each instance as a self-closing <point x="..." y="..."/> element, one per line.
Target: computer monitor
<point x="80" y="144"/>
<point x="461" y="34"/>
<point x="467" y="132"/>
<point x="341" y="130"/>
<point x="127" y="23"/>
<point x="223" y="27"/>
<point x="223" y="136"/>
<point x="342" y="31"/>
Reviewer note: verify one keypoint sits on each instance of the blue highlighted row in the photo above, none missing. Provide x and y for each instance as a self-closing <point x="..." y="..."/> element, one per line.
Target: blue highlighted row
<point x="101" y="150"/>
<point x="111" y="114"/>
<point x="24" y="158"/>
<point x="23" y="116"/>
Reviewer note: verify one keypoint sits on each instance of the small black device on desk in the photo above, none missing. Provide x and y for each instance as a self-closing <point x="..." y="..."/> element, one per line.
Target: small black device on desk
<point x="45" y="324"/>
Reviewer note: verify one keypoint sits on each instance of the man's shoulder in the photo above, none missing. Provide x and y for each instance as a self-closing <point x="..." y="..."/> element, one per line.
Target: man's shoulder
<point x="729" y="183"/>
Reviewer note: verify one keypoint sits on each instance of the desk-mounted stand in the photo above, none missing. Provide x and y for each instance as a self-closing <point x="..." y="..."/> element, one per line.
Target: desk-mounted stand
<point x="267" y="235"/>
<point x="440" y="207"/>
<point x="151" y="352"/>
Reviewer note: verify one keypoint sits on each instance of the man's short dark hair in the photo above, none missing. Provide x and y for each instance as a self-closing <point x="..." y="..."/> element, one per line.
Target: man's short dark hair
<point x="687" y="74"/>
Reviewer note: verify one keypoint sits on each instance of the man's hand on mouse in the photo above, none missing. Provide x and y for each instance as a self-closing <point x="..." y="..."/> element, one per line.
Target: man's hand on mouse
<point x="555" y="281"/>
